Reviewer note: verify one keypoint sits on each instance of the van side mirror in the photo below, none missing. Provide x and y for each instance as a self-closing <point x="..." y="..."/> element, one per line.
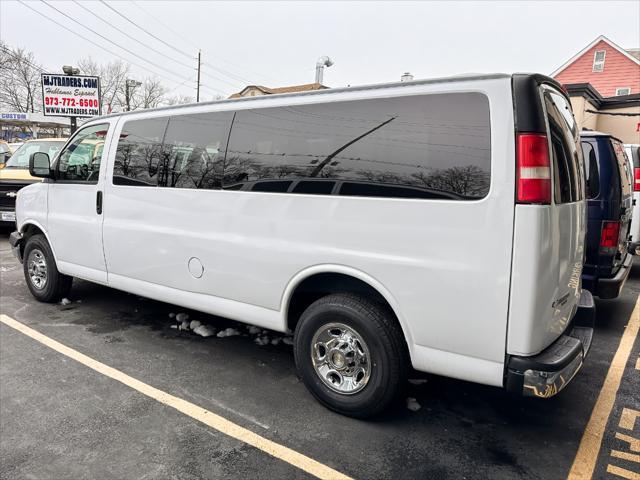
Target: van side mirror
<point x="39" y="165"/>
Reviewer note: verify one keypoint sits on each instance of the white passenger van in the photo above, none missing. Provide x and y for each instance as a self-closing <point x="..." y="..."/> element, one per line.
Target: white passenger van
<point x="433" y="224"/>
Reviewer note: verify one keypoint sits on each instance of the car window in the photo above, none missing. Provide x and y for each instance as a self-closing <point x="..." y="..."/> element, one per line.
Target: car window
<point x="139" y="152"/>
<point x="428" y="146"/>
<point x="592" y="172"/>
<point x="80" y="160"/>
<point x="20" y="158"/>
<point x="193" y="150"/>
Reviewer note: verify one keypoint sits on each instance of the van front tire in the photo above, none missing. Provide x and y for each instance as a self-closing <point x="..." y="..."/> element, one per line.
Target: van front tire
<point x="351" y="355"/>
<point x="41" y="273"/>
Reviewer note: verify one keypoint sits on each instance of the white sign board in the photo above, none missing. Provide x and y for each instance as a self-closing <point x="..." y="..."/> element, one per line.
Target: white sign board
<point x="70" y="95"/>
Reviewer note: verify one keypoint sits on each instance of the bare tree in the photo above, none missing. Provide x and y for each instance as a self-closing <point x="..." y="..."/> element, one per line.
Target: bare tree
<point x="148" y="95"/>
<point x="113" y="76"/>
<point x="19" y="80"/>
<point x="178" y="100"/>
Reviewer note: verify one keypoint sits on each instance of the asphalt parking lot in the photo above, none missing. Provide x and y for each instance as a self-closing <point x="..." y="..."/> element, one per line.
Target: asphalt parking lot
<point x="60" y="419"/>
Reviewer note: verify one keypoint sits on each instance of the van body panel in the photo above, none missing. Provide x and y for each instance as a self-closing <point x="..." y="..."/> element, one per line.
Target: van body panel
<point x="253" y="244"/>
<point x="545" y="286"/>
<point x="548" y="244"/>
<point x="633" y="155"/>
<point x="613" y="203"/>
<point x="471" y="281"/>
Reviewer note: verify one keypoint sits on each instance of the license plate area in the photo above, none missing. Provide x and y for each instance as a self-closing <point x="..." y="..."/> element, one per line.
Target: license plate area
<point x="8" y="216"/>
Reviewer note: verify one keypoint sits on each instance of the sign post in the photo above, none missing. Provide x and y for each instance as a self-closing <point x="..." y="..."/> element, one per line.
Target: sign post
<point x="70" y="96"/>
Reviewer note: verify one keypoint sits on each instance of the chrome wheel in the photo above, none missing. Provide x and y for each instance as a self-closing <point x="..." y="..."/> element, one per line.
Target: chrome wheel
<point x="341" y="358"/>
<point x="37" y="268"/>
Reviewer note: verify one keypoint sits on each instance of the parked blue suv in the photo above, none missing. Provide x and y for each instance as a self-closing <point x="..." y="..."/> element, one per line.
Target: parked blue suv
<point x="609" y="181"/>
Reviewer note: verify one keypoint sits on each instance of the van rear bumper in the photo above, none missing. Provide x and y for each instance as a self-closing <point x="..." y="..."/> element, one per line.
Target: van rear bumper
<point x="548" y="372"/>
<point x="611" y="287"/>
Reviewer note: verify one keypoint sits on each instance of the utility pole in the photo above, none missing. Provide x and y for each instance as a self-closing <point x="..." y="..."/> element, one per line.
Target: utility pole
<point x="198" y="86"/>
<point x="69" y="70"/>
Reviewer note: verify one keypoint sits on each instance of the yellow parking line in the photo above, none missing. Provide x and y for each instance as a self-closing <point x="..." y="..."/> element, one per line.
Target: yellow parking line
<point x="211" y="419"/>
<point x="585" y="460"/>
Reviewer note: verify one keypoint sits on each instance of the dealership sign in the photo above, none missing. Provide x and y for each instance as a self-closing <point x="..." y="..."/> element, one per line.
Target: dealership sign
<point x="70" y="95"/>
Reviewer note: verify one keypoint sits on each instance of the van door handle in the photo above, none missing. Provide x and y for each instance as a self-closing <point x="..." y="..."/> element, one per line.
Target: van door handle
<point x="99" y="202"/>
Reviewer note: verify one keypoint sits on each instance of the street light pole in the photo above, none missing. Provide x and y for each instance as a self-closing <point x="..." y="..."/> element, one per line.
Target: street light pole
<point x="70" y="70"/>
<point x="129" y="85"/>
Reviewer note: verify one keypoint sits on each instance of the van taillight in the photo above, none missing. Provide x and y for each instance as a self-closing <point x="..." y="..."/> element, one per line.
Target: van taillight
<point x="533" y="169"/>
<point x="636" y="179"/>
<point x="609" y="237"/>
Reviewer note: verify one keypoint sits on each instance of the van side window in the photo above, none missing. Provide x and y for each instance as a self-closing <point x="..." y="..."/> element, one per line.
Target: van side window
<point x="80" y="161"/>
<point x="592" y="172"/>
<point x="193" y="150"/>
<point x="429" y="146"/>
<point x="569" y="177"/>
<point x="139" y="152"/>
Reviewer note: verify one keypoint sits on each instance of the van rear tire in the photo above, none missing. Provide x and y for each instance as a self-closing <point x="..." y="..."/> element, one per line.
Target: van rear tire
<point x="41" y="273"/>
<point x="351" y="354"/>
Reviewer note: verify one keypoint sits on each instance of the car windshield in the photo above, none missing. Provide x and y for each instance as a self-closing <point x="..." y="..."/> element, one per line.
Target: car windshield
<point x="20" y="159"/>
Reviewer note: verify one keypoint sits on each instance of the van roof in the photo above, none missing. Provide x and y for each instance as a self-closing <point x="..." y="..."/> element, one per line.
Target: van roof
<point x="595" y="133"/>
<point x="328" y="91"/>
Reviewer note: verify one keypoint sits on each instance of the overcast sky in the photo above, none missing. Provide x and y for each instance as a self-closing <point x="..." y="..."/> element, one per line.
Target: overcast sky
<point x="278" y="43"/>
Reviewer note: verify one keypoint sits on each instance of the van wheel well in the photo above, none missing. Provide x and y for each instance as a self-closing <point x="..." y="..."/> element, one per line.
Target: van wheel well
<point x="29" y="231"/>
<point x="322" y="284"/>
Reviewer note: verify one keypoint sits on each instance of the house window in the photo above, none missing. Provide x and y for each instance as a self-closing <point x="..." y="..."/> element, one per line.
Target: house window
<point x="598" y="60"/>
<point x="623" y="91"/>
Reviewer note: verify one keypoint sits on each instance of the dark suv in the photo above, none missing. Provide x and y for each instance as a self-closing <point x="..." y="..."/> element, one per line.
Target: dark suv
<point x="610" y="203"/>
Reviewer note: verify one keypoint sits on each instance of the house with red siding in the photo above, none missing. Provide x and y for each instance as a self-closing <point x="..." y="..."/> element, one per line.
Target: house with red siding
<point x="610" y="69"/>
<point x="603" y="82"/>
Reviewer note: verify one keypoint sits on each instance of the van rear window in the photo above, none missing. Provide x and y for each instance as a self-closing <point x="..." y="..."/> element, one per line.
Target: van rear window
<point x="568" y="171"/>
<point x="592" y="172"/>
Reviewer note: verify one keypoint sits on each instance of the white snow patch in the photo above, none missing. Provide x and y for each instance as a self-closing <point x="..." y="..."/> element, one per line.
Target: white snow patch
<point x="195" y="324"/>
<point x="65" y="301"/>
<point x="78" y="301"/>
<point x="413" y="405"/>
<point x="204" y="330"/>
<point x="264" y="340"/>
<point x="172" y="315"/>
<point x="287" y="341"/>
<point x="228" y="332"/>
<point x="276" y="341"/>
<point x="184" y="325"/>
<point x="417" y="381"/>
<point x="253" y="330"/>
<point x="174" y="326"/>
<point x="181" y="317"/>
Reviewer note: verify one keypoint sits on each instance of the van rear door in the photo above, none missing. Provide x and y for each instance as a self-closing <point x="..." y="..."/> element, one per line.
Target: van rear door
<point x="549" y="235"/>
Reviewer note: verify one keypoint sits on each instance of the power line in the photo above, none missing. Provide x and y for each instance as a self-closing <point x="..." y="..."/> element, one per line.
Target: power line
<point x="117" y="45"/>
<point x="218" y="69"/>
<point x="18" y="57"/>
<point x="131" y="37"/>
<point x="234" y="85"/>
<point x="101" y="47"/>
<point x="145" y="31"/>
<point x="179" y="35"/>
